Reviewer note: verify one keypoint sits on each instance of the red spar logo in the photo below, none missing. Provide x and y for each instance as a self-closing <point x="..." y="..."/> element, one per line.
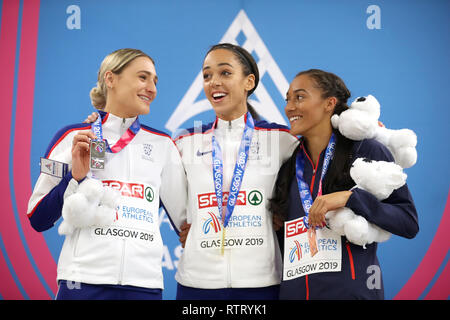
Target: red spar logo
<point x="127" y="189"/>
<point x="207" y="200"/>
<point x="295" y="227"/>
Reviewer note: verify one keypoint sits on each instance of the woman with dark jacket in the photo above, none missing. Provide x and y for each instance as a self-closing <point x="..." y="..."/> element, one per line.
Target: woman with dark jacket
<point x="313" y="97"/>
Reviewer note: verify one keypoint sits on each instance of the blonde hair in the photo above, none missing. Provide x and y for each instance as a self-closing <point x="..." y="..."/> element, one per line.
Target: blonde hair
<point x="114" y="62"/>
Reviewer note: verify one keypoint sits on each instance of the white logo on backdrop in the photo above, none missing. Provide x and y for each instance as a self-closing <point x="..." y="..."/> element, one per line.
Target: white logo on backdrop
<point x="189" y="107"/>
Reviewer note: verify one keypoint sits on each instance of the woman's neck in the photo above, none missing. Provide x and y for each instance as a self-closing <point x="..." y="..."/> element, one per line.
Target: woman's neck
<point x="316" y="143"/>
<point x="234" y="114"/>
<point x="117" y="111"/>
<point x="229" y="117"/>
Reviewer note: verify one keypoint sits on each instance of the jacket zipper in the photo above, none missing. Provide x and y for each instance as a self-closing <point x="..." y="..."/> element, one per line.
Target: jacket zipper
<point x="313" y="179"/>
<point x="122" y="259"/>
<point x="75" y="240"/>
<point x="347" y="244"/>
<point x="122" y="262"/>
<point x="350" y="258"/>
<point x="229" y="269"/>
<point x="307" y="287"/>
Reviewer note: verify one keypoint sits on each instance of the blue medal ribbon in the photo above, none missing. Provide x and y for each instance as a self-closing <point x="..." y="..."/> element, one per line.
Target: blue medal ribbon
<point x="238" y="173"/>
<point x="303" y="187"/>
<point x="96" y="128"/>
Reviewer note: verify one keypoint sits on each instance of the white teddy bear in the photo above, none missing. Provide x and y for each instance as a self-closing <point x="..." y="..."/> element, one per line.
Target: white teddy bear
<point x="89" y="204"/>
<point x="360" y="122"/>
<point x="379" y="178"/>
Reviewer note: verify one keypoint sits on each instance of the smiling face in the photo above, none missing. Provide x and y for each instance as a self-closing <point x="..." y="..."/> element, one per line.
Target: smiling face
<point x="131" y="92"/>
<point x="308" y="112"/>
<point x="225" y="85"/>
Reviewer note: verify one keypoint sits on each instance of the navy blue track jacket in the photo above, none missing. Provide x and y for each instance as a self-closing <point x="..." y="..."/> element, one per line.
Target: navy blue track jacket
<point x="396" y="214"/>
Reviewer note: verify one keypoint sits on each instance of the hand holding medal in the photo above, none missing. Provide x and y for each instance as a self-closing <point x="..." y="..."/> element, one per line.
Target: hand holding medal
<point x="316" y="216"/>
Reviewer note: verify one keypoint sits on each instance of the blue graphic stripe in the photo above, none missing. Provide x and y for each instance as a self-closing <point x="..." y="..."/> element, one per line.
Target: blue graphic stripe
<point x="1" y="7"/>
<point x="292" y="254"/>
<point x="11" y="269"/>
<point x="436" y="276"/>
<point x="207" y="226"/>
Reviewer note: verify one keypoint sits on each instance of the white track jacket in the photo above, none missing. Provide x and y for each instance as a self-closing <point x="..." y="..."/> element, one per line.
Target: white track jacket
<point x="251" y="255"/>
<point x="129" y="251"/>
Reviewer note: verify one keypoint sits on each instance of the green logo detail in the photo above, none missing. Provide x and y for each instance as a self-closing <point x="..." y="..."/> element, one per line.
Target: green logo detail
<point x="255" y="197"/>
<point x="149" y="195"/>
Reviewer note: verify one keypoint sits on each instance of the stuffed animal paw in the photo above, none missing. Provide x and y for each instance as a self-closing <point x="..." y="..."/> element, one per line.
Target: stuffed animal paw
<point x="402" y="144"/>
<point x="380" y="178"/>
<point x="92" y="204"/>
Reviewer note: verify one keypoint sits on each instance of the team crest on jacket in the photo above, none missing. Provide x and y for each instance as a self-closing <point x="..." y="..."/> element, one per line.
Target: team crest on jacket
<point x="254" y="151"/>
<point x="147" y="151"/>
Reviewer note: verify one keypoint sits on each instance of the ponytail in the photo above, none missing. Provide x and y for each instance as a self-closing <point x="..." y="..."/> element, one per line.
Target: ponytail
<point x="252" y="111"/>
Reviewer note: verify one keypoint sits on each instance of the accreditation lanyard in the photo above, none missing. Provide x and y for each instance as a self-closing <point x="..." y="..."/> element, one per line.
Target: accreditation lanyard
<point x="238" y="173"/>
<point x="124" y="140"/>
<point x="303" y="187"/>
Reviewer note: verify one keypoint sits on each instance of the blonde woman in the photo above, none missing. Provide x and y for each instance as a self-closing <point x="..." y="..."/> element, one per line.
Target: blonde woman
<point x="120" y="259"/>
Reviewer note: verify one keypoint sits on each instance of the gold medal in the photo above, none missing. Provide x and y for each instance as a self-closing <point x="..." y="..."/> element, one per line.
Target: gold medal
<point x="222" y="247"/>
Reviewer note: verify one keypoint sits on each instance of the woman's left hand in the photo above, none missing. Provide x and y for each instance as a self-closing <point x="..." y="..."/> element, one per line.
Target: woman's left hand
<point x="278" y="222"/>
<point x="184" y="233"/>
<point x="325" y="203"/>
<point x="91" y="118"/>
<point x="81" y="154"/>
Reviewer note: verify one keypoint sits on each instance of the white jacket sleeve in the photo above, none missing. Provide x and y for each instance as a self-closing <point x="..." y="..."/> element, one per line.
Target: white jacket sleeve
<point x="173" y="190"/>
<point x="44" y="206"/>
<point x="287" y="145"/>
